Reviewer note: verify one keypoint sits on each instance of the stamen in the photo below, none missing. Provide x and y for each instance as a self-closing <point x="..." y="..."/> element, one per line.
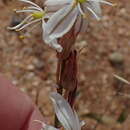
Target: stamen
<point x="97" y="17"/>
<point x="108" y="3"/>
<point x="103" y="1"/>
<point x="29" y="2"/>
<point x="35" y="8"/>
<point x="28" y="24"/>
<point x="24" y="11"/>
<point x="81" y="11"/>
<point x="21" y="24"/>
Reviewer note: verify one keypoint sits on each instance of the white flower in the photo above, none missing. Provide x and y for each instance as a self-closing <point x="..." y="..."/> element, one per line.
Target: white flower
<point x="63" y="20"/>
<point x="67" y="117"/>
<point x="45" y="126"/>
<point x="36" y="15"/>
<point x="51" y="42"/>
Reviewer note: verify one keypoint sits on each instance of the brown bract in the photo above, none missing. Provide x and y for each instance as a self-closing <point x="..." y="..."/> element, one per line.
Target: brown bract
<point x="67" y="66"/>
<point x="67" y="42"/>
<point x="69" y="73"/>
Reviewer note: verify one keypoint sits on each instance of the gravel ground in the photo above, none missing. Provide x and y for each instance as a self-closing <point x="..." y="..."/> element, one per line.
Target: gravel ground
<point x="31" y="65"/>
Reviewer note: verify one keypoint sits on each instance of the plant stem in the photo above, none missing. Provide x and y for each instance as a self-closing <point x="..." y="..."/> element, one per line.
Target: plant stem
<point x="60" y="88"/>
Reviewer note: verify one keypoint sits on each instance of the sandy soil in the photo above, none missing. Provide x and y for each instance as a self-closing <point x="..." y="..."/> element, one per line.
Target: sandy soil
<point x="31" y="65"/>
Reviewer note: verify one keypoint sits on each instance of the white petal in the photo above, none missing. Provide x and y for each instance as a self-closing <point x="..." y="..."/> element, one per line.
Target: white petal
<point x="63" y="111"/>
<point x="82" y="123"/>
<point x="77" y="122"/>
<point x="84" y="26"/>
<point x="61" y="22"/>
<point x="56" y="2"/>
<point x="45" y="126"/>
<point x="80" y="9"/>
<point x="54" y="44"/>
<point x="49" y="127"/>
<point x="53" y="9"/>
<point x="81" y="25"/>
<point x="55" y="5"/>
<point x="94" y="8"/>
<point x="78" y="24"/>
<point x="51" y="42"/>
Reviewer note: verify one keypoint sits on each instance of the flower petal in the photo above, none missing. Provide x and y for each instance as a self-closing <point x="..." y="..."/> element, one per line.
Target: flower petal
<point x="63" y="111"/>
<point x="51" y="42"/>
<point x="45" y="126"/>
<point x="53" y="6"/>
<point x="81" y="25"/>
<point x="93" y="7"/>
<point x="61" y="22"/>
<point x="56" y="2"/>
<point x="49" y="127"/>
<point x="77" y="122"/>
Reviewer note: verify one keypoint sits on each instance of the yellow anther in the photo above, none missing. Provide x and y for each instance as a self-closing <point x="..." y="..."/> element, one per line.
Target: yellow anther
<point x="21" y="37"/>
<point x="38" y="15"/>
<point x="75" y="2"/>
<point x="82" y="1"/>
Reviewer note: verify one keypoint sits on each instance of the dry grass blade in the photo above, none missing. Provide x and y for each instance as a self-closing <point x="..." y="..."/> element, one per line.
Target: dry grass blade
<point x="121" y="79"/>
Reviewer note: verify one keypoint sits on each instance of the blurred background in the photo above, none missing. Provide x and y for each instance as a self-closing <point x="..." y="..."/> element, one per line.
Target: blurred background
<point x="102" y="100"/>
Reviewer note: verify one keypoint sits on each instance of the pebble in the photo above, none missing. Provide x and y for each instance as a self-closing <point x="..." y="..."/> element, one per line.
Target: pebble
<point x="39" y="64"/>
<point x="116" y="58"/>
<point x="30" y="67"/>
<point x="30" y="76"/>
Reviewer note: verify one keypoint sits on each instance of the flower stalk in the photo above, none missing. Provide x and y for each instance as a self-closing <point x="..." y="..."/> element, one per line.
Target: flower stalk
<point x="67" y="69"/>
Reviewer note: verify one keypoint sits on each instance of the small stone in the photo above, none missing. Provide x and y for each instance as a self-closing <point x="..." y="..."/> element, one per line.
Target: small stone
<point x="36" y="83"/>
<point x="39" y="64"/>
<point x="123" y="11"/>
<point x="84" y="43"/>
<point x="116" y="58"/>
<point x="30" y="75"/>
<point x="30" y="67"/>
